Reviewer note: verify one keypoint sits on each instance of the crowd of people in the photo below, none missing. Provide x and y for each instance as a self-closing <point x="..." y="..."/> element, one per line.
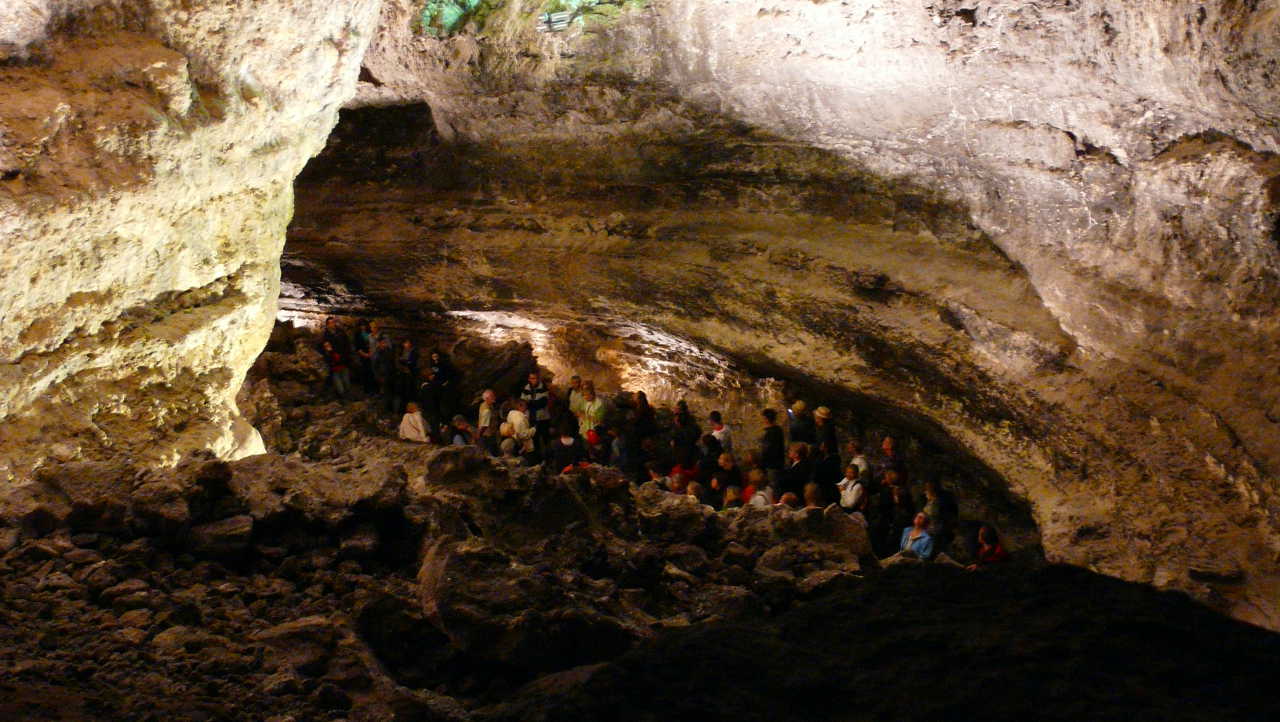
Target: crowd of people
<point x="797" y="461"/>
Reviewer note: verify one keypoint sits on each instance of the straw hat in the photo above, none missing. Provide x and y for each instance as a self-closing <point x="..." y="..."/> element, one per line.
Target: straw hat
<point x="822" y="412"/>
<point x="798" y="406"/>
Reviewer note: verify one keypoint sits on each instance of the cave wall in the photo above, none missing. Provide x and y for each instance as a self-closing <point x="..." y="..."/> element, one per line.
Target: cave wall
<point x="147" y="154"/>
<point x="1047" y="227"/>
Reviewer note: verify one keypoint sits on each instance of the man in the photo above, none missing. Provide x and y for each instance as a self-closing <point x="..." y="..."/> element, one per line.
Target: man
<point x="824" y="428"/>
<point x="943" y="512"/>
<point x="336" y="335"/>
<point x="574" y="396"/>
<point x="521" y="430"/>
<point x="798" y="471"/>
<point x="489" y="422"/>
<point x="727" y="474"/>
<point x="591" y="411"/>
<point x="800" y="424"/>
<point x="535" y="396"/>
<point x="406" y="372"/>
<point x="384" y="369"/>
<point x="859" y="459"/>
<point x="773" y="448"/>
<point x="721" y="431"/>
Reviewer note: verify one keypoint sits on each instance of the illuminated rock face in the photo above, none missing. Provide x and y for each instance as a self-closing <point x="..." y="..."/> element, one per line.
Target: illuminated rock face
<point x="147" y="153"/>
<point x="1045" y="229"/>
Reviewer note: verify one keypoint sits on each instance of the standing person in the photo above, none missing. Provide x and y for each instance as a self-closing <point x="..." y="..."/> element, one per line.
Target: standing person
<point x="406" y="373"/>
<point x="798" y="471"/>
<point x="536" y="397"/>
<point x="853" y="493"/>
<point x="336" y="335"/>
<point x="800" y="424"/>
<point x="384" y="371"/>
<point x="859" y="459"/>
<point x="489" y="422"/>
<point x="429" y="398"/>
<point x="824" y="429"/>
<point x="826" y="469"/>
<point x="721" y="431"/>
<point x="773" y="449"/>
<point x="591" y="410"/>
<point x="944" y="513"/>
<point x="566" y="451"/>
<point x="339" y="374"/>
<point x="446" y="379"/>
<point x="646" y="421"/>
<point x="363" y="343"/>
<point x="728" y="474"/>
<point x="573" y="399"/>
<point x="522" y="430"/>
<point x="684" y="433"/>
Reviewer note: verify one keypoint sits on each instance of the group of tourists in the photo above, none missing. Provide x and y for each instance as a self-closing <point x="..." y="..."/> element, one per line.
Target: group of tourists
<point x="796" y="462"/>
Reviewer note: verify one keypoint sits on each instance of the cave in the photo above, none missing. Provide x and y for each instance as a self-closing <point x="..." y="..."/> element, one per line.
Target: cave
<point x="1033" y="242"/>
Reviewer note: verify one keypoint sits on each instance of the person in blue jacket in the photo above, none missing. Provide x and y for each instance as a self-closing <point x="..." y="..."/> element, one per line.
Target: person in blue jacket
<point x="916" y="541"/>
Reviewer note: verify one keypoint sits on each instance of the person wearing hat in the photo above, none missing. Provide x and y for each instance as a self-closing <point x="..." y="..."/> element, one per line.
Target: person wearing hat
<point x="800" y="424"/>
<point x="824" y="428"/>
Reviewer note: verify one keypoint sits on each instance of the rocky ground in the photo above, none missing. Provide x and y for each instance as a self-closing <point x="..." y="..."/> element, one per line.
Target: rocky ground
<point x="350" y="575"/>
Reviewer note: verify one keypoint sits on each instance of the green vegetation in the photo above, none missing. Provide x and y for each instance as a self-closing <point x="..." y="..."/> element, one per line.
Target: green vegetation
<point x="442" y="18"/>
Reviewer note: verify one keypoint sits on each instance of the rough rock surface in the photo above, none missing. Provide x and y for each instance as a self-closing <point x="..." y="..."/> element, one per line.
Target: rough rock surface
<point x="147" y="152"/>
<point x="1045" y="231"/>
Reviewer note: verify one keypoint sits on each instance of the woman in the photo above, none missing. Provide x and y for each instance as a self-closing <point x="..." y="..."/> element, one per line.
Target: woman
<point x="732" y="498"/>
<point x="916" y="541"/>
<point x="413" y="427"/>
<point x="339" y="374"/>
<point x="990" y="551"/>
<point x="812" y="496"/>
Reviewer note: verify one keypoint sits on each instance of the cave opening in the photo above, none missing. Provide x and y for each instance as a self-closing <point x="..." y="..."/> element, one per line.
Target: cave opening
<point x="439" y="241"/>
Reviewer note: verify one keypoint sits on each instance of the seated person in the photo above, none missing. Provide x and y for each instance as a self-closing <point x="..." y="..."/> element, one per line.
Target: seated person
<point x="812" y="496"/>
<point x="789" y="500"/>
<point x="990" y="551"/>
<point x="916" y="542"/>
<point x="413" y="427"/>
<point x="460" y="432"/>
<point x="697" y="491"/>
<point x="566" y="452"/>
<point x="732" y="498"/>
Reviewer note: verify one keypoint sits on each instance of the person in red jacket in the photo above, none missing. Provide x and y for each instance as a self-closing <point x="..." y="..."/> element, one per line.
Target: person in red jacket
<point x="990" y="551"/>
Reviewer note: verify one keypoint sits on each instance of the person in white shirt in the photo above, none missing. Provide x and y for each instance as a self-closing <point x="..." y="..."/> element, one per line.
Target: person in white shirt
<point x="488" y="421"/>
<point x="853" y="494"/>
<point x="858" y="459"/>
<point x="522" y="431"/>
<point x="721" y="431"/>
<point x="413" y="427"/>
<point x="591" y="410"/>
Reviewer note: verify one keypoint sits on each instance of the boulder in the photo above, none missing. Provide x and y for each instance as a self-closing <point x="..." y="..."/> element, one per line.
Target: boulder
<point x="226" y="536"/>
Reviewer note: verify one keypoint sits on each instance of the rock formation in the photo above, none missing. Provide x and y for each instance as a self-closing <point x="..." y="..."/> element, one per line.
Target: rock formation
<point x="147" y="154"/>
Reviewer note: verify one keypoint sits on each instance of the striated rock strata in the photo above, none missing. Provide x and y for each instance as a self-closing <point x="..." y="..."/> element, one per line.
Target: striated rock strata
<point x="147" y="152"/>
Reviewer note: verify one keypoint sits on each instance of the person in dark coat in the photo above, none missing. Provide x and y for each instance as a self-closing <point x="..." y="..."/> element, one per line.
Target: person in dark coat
<point x="800" y="424"/>
<point x="773" y="448"/>
<point x="406" y="373"/>
<point x="799" y="470"/>
<point x="827" y="470"/>
<point x="446" y="379"/>
<point x="384" y="371"/>
<point x="336" y="335"/>
<point x="824" y="429"/>
<point x="565" y="451"/>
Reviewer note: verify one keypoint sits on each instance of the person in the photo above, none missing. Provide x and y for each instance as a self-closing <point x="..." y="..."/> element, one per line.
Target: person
<point x="798" y="471"/>
<point x="824" y="429"/>
<point x="755" y="482"/>
<point x="941" y="508"/>
<point x="445" y="378"/>
<point x="732" y="498"/>
<point x="697" y="491"/>
<point x="406" y="373"/>
<point x="592" y="409"/>
<point x="773" y="448"/>
<point x="336" y="335"/>
<point x="789" y="500"/>
<point x="489" y="421"/>
<point x="574" y="398"/>
<point x="826" y="468"/>
<point x="363" y="343"/>
<point x="412" y="426"/>
<point x="597" y="445"/>
<point x="893" y="459"/>
<point x="460" y="432"/>
<point x="899" y="509"/>
<point x="384" y="372"/>
<point x="656" y="474"/>
<point x="812" y="496"/>
<point x="646" y="421"/>
<point x="429" y="397"/>
<point x="339" y="374"/>
<point x="679" y="482"/>
<point x="521" y="430"/>
<point x="800" y="424"/>
<point x="535" y="396"/>
<point x="566" y="452"/>
<point x="762" y="498"/>
<point x="916" y="541"/>
<point x="990" y="551"/>
<point x="721" y="431"/>
<point x="727" y="474"/>
<point x="859" y="459"/>
<point x="684" y="430"/>
<point x="853" y="493"/>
